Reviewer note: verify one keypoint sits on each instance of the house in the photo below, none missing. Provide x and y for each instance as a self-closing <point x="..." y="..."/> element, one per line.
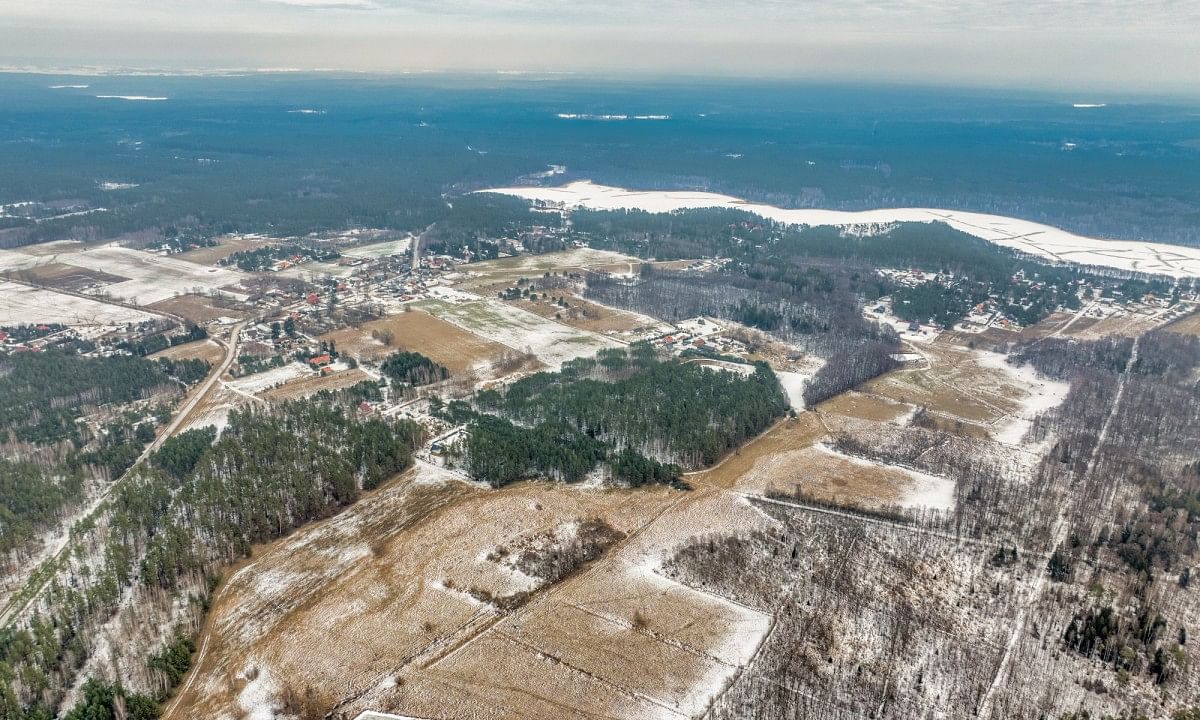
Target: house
<point x="320" y="360"/>
<point x="326" y="370"/>
<point x="312" y="299"/>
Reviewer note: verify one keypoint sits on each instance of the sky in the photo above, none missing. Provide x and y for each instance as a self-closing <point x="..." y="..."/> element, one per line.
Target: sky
<point x="1147" y="46"/>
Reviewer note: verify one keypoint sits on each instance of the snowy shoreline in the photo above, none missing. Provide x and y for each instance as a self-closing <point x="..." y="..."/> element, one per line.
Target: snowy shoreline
<point x="1022" y="235"/>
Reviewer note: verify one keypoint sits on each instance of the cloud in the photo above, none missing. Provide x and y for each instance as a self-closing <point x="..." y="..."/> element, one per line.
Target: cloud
<point x="327" y="4"/>
<point x="1142" y="45"/>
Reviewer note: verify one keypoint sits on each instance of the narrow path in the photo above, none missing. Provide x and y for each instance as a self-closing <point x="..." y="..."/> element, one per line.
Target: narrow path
<point x="17" y="605"/>
<point x="1058" y="535"/>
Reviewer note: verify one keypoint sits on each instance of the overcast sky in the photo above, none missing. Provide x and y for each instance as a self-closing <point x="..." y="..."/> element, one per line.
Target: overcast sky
<point x="1148" y="46"/>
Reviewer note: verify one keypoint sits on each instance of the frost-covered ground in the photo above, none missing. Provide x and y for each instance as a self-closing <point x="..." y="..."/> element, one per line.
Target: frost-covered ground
<point x="1026" y="236"/>
<point x="552" y="342"/>
<point x="24" y="304"/>
<point x="1043" y="395"/>
<point x="269" y="378"/>
<point x="378" y="250"/>
<point x="925" y="491"/>
<point x="150" y="277"/>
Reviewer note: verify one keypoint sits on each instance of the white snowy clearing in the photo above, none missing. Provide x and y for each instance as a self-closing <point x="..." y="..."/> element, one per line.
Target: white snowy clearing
<point x="268" y="379"/>
<point x="22" y="304"/>
<point x="381" y="249"/>
<point x="132" y="97"/>
<point x="926" y="491"/>
<point x="149" y="277"/>
<point x="552" y="342"/>
<point x="1023" y="235"/>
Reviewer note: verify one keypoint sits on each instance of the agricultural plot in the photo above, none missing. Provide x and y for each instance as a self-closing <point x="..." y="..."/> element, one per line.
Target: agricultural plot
<point x="206" y="350"/>
<point x="150" y="277"/>
<point x="380" y="249"/>
<point x="25" y="304"/>
<point x="506" y="271"/>
<point x="256" y="383"/>
<point x="66" y="277"/>
<point x="226" y="245"/>
<point x="593" y="317"/>
<point x="199" y="309"/>
<point x="443" y="342"/>
<point x="305" y="386"/>
<point x="551" y="342"/>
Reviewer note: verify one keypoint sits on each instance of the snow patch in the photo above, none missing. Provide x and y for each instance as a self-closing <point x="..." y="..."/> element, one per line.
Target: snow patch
<point x="1023" y="235"/>
<point x="1043" y="395"/>
<point x="924" y="491"/>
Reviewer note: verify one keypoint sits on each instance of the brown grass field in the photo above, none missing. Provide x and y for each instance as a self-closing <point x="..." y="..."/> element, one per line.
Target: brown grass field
<point x="1187" y="325"/>
<point x="864" y="406"/>
<point x="953" y="385"/>
<point x="587" y="315"/>
<point x="305" y="386"/>
<point x="226" y="246"/>
<point x="64" y="277"/>
<point x="200" y="349"/>
<point x="382" y="590"/>
<point x="440" y="341"/>
<point x="198" y="309"/>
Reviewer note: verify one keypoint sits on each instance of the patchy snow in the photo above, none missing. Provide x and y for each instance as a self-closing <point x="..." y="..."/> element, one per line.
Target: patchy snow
<point x="925" y="491"/>
<point x="1043" y="395"/>
<point x="24" y="304"/>
<point x="553" y="343"/>
<point x="1023" y="235"/>
<point x="257" y="699"/>
<point x="149" y="277"/>
<point x="793" y="386"/>
<point x="744" y="633"/>
<point x="269" y="378"/>
<point x="378" y="250"/>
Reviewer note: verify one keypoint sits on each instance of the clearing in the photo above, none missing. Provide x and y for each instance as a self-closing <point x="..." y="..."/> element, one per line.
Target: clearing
<point x="23" y="304"/>
<point x="207" y="350"/>
<point x="199" y="309"/>
<point x="551" y="342"/>
<point x="446" y="344"/>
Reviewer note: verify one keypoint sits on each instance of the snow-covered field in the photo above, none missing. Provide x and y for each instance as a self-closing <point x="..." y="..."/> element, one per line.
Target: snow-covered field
<point x="378" y="250"/>
<point x="269" y="378"/>
<point x="151" y="277"/>
<point x="552" y="342"/>
<point x="1023" y="235"/>
<point x="793" y="385"/>
<point x="22" y="304"/>
<point x="1043" y="395"/>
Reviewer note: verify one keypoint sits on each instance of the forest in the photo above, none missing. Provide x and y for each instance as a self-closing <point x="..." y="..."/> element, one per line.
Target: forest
<point x="412" y="369"/>
<point x="43" y="394"/>
<point x="176" y="522"/>
<point x="646" y="419"/>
